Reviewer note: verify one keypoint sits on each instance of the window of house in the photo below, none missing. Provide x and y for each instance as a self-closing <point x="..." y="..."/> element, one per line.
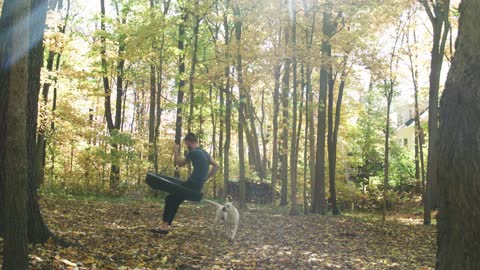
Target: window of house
<point x="405" y="142"/>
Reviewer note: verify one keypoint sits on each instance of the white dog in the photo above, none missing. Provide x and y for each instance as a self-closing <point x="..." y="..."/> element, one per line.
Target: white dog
<point x="229" y="216"/>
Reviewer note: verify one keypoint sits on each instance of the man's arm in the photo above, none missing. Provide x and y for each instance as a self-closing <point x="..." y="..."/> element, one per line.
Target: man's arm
<point x="214" y="169"/>
<point x="179" y="161"/>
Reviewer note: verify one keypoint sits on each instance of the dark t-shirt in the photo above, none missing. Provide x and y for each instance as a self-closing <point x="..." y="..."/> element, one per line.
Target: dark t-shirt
<point x="200" y="160"/>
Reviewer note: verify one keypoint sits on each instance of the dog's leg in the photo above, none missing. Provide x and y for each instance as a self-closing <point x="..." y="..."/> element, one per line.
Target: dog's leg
<point x="227" y="230"/>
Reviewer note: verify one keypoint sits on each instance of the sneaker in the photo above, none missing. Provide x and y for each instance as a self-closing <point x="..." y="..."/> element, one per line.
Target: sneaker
<point x="158" y="230"/>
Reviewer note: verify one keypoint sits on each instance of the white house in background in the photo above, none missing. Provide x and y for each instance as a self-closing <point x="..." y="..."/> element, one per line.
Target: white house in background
<point x="404" y="123"/>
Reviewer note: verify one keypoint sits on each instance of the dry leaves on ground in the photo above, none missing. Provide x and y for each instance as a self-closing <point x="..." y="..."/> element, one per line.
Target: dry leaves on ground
<point x="110" y="235"/>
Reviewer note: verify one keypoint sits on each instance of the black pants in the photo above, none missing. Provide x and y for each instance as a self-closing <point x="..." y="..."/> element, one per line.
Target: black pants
<point x="173" y="201"/>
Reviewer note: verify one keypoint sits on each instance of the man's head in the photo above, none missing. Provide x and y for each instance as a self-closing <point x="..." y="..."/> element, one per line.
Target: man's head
<point x="191" y="141"/>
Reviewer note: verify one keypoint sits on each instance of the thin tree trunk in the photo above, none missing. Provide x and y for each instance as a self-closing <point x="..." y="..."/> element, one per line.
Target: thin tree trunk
<point x="241" y="120"/>
<point x="276" y="111"/>
<point x="193" y="65"/>
<point x="294" y="144"/>
<point x="419" y="137"/>
<point x="389" y="92"/>
<point x="305" y="151"/>
<point x="181" y="82"/>
<point x="228" y="104"/>
<point x="214" y="135"/>
<point x="152" y="114"/>
<point x="310" y="14"/>
<point x="285" y="114"/>
<point x="153" y="103"/>
<point x="262" y="135"/>
<point x="112" y="125"/>
<point x="158" y="118"/>
<point x="255" y="145"/>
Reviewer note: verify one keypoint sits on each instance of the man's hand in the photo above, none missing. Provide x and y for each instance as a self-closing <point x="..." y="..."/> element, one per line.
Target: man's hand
<point x="178" y="160"/>
<point x="176" y="149"/>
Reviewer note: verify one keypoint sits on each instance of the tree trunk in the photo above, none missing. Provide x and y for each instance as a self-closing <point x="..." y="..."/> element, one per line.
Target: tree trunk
<point x="285" y="115"/>
<point x="158" y="117"/>
<point x="152" y="134"/>
<point x="181" y="81"/>
<point x="308" y="115"/>
<point x="41" y="139"/>
<point x="294" y="144"/>
<point x="37" y="229"/>
<point x="319" y="204"/>
<point x="214" y="135"/>
<point x="241" y="119"/>
<point x="262" y="135"/>
<point x="255" y="145"/>
<point x="14" y="163"/>
<point x="389" y="96"/>
<point x="458" y="220"/>
<point x="310" y="14"/>
<point x="159" y="90"/>
<point x="334" y="125"/>
<point x="193" y="65"/>
<point x="228" y="104"/>
<point x="276" y="111"/>
<point x="151" y="116"/>
<point x="113" y="125"/>
<point x="419" y="161"/>
<point x="438" y="15"/>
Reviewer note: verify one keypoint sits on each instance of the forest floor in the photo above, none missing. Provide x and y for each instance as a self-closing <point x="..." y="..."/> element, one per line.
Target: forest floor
<point x="115" y="235"/>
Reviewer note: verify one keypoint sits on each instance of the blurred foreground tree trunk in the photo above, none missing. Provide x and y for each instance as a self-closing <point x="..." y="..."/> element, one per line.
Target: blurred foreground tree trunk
<point x="458" y="220"/>
<point x="14" y="165"/>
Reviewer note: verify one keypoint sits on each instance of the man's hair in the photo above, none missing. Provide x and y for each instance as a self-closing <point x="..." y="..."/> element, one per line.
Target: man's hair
<point x="191" y="137"/>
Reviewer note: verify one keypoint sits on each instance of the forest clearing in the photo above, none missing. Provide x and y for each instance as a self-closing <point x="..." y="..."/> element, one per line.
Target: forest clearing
<point x="113" y="234"/>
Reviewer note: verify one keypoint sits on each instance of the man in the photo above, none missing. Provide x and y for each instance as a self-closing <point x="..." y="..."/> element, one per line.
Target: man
<point x="201" y="161"/>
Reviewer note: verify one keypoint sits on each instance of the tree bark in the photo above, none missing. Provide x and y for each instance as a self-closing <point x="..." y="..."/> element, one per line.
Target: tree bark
<point x="389" y="96"/>
<point x="14" y="163"/>
<point x="419" y="136"/>
<point x="181" y="80"/>
<point x="333" y="126"/>
<point x="294" y="144"/>
<point x="193" y="66"/>
<point x="285" y="112"/>
<point x="276" y="110"/>
<point x="158" y="118"/>
<point x="458" y="220"/>
<point x="153" y="107"/>
<point x="37" y="229"/>
<point x="113" y="125"/>
<point x="254" y="144"/>
<point x="310" y="14"/>
<point x="319" y="204"/>
<point x="241" y="119"/>
<point x="438" y="15"/>
<point x="152" y="115"/>
<point x="228" y="103"/>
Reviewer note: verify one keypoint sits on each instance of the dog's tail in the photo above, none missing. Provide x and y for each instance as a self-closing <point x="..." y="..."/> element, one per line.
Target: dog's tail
<point x="212" y="202"/>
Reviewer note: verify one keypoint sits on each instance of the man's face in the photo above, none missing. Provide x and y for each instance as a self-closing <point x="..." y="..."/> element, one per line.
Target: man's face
<point x="189" y="145"/>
